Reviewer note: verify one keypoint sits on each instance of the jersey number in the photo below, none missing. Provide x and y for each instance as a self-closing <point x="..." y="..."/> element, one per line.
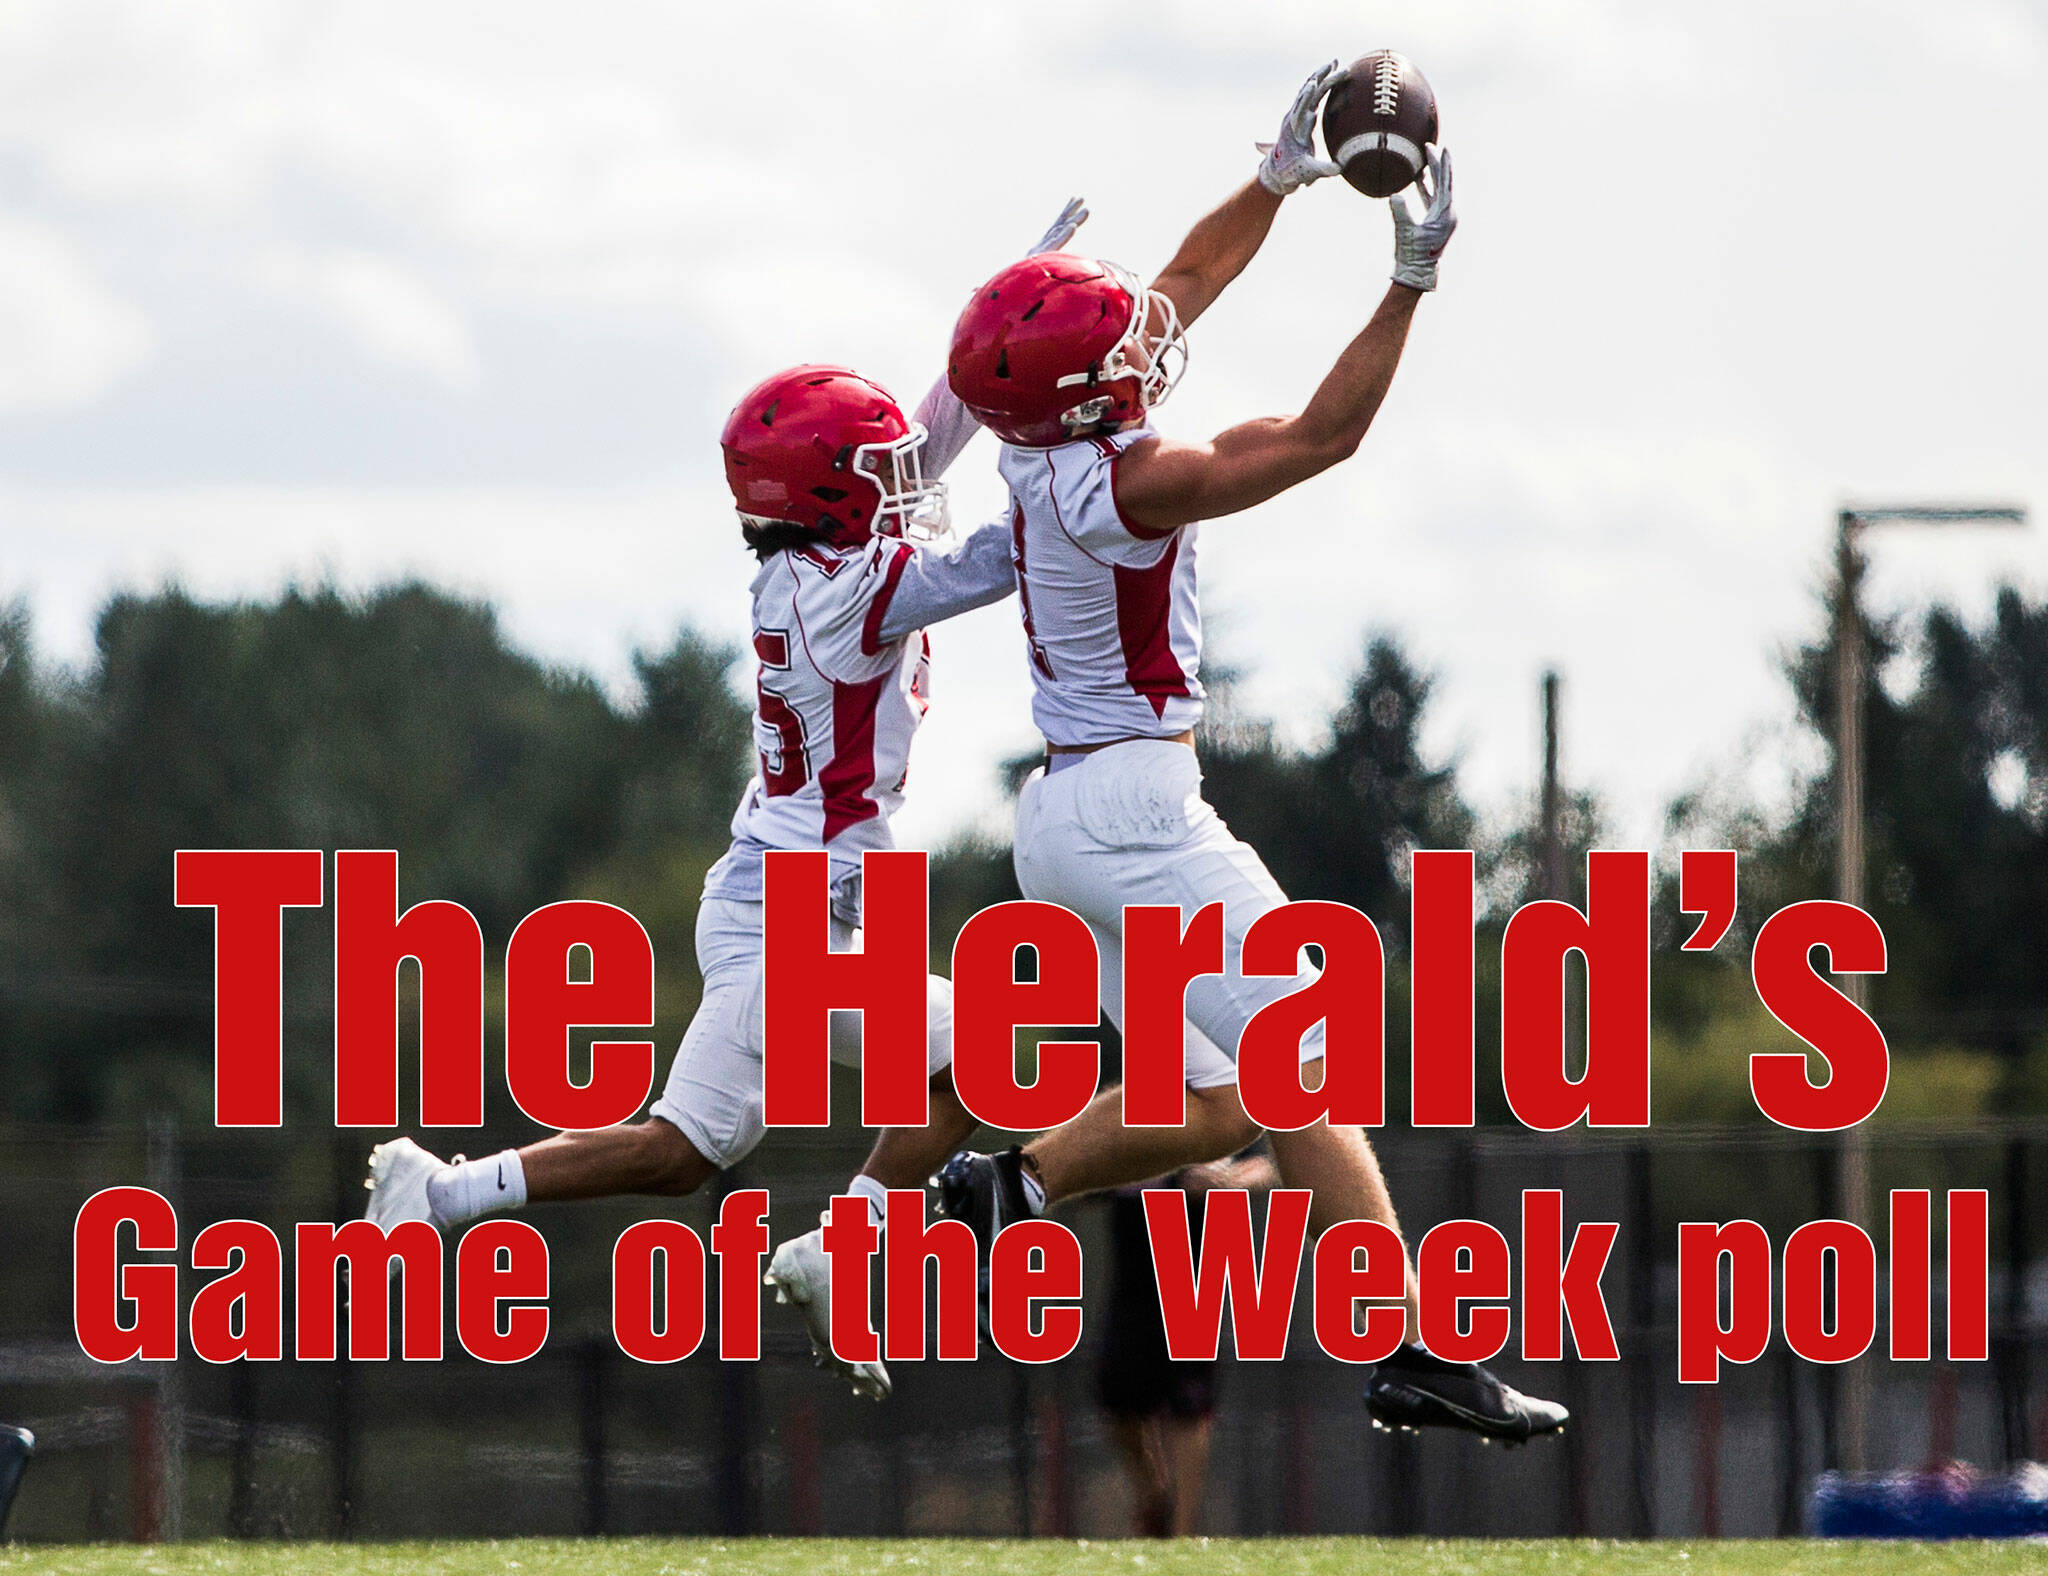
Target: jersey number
<point x="787" y="766"/>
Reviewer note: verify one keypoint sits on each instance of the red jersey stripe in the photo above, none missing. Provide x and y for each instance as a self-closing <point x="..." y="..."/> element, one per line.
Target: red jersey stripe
<point x="850" y="774"/>
<point x="871" y="627"/>
<point x="1144" y="598"/>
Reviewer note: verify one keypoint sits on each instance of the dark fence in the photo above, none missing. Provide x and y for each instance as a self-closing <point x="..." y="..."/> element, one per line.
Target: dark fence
<point x="584" y="1439"/>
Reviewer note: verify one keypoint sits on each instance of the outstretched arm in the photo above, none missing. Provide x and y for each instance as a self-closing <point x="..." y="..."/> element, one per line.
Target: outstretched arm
<point x="940" y="412"/>
<point x="1163" y="484"/>
<point x="926" y="587"/>
<point x="1217" y="249"/>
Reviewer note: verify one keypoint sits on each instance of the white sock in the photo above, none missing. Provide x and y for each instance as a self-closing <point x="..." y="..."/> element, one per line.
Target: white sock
<point x="478" y="1187"/>
<point x="872" y="1190"/>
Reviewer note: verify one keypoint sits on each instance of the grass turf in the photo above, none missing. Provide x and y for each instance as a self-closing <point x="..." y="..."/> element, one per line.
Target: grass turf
<point x="1043" y="1557"/>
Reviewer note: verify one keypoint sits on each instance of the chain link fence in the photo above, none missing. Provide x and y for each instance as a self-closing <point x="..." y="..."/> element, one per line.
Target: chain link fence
<point x="584" y="1439"/>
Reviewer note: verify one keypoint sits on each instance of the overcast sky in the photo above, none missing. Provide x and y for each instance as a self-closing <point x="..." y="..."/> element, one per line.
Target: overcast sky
<point x="292" y="291"/>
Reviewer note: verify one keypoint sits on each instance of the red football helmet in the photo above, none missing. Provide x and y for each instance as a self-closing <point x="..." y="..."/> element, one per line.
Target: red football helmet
<point x="1058" y="344"/>
<point x="828" y="450"/>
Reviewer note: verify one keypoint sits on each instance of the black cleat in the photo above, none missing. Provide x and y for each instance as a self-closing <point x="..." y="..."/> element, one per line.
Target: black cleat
<point x="986" y="1191"/>
<point x="1413" y="1390"/>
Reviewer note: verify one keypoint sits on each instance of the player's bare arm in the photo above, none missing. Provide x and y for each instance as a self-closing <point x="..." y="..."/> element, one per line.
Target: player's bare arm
<point x="1163" y="483"/>
<point x="1220" y="247"/>
<point x="1217" y="250"/>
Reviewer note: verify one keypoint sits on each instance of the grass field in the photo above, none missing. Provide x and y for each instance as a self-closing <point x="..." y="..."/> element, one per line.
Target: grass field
<point x="1045" y="1557"/>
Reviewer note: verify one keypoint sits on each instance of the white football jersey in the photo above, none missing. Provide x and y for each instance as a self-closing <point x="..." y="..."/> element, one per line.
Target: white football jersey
<point x="836" y="708"/>
<point x="1112" y="630"/>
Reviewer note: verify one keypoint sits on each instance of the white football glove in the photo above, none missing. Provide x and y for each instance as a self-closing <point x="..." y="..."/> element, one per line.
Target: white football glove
<point x="1071" y="218"/>
<point x="1418" y="243"/>
<point x="1290" y="158"/>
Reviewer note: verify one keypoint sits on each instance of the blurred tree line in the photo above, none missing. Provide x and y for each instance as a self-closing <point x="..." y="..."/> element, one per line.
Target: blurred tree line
<point x="406" y="719"/>
<point x="1956" y="829"/>
<point x="402" y="720"/>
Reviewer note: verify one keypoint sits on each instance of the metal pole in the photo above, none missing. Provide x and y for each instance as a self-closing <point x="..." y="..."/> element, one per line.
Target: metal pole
<point x="342" y="1421"/>
<point x="1850" y="663"/>
<point x="1642" y="1394"/>
<point x="1552" y="873"/>
<point x="1577" y="1508"/>
<point x="1848" y="720"/>
<point x="1854" y="1187"/>
<point x="736" y="1412"/>
<point x="242" y="1452"/>
<point x="2019" y="1443"/>
<point x="162" y="1166"/>
<point x="590" y="1418"/>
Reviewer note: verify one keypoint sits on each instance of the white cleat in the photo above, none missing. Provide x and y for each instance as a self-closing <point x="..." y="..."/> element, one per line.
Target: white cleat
<point x="801" y="1274"/>
<point x="399" y="1173"/>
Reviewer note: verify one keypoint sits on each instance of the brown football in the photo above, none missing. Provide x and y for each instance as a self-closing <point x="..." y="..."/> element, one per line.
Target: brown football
<point x="1376" y="121"/>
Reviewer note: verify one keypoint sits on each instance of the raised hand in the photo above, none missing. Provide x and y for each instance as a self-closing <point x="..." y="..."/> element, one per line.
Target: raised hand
<point x="1419" y="242"/>
<point x="1071" y="218"/>
<point x="1290" y="161"/>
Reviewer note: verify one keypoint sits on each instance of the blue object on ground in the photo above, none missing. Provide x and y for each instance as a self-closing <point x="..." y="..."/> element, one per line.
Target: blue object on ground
<point x="1953" y="1501"/>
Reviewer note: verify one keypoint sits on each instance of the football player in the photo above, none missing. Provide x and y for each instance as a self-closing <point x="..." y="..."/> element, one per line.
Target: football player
<point x="838" y="496"/>
<point x="1063" y="358"/>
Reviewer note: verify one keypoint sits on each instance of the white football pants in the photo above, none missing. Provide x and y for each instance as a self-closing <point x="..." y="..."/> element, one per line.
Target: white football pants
<point x="713" y="1094"/>
<point x="1125" y="825"/>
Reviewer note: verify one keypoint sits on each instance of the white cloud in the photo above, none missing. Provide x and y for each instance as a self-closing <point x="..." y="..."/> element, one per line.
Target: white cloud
<point x="177" y="107"/>
<point x="393" y="317"/>
<point x="65" y="339"/>
<point x="1716" y="272"/>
